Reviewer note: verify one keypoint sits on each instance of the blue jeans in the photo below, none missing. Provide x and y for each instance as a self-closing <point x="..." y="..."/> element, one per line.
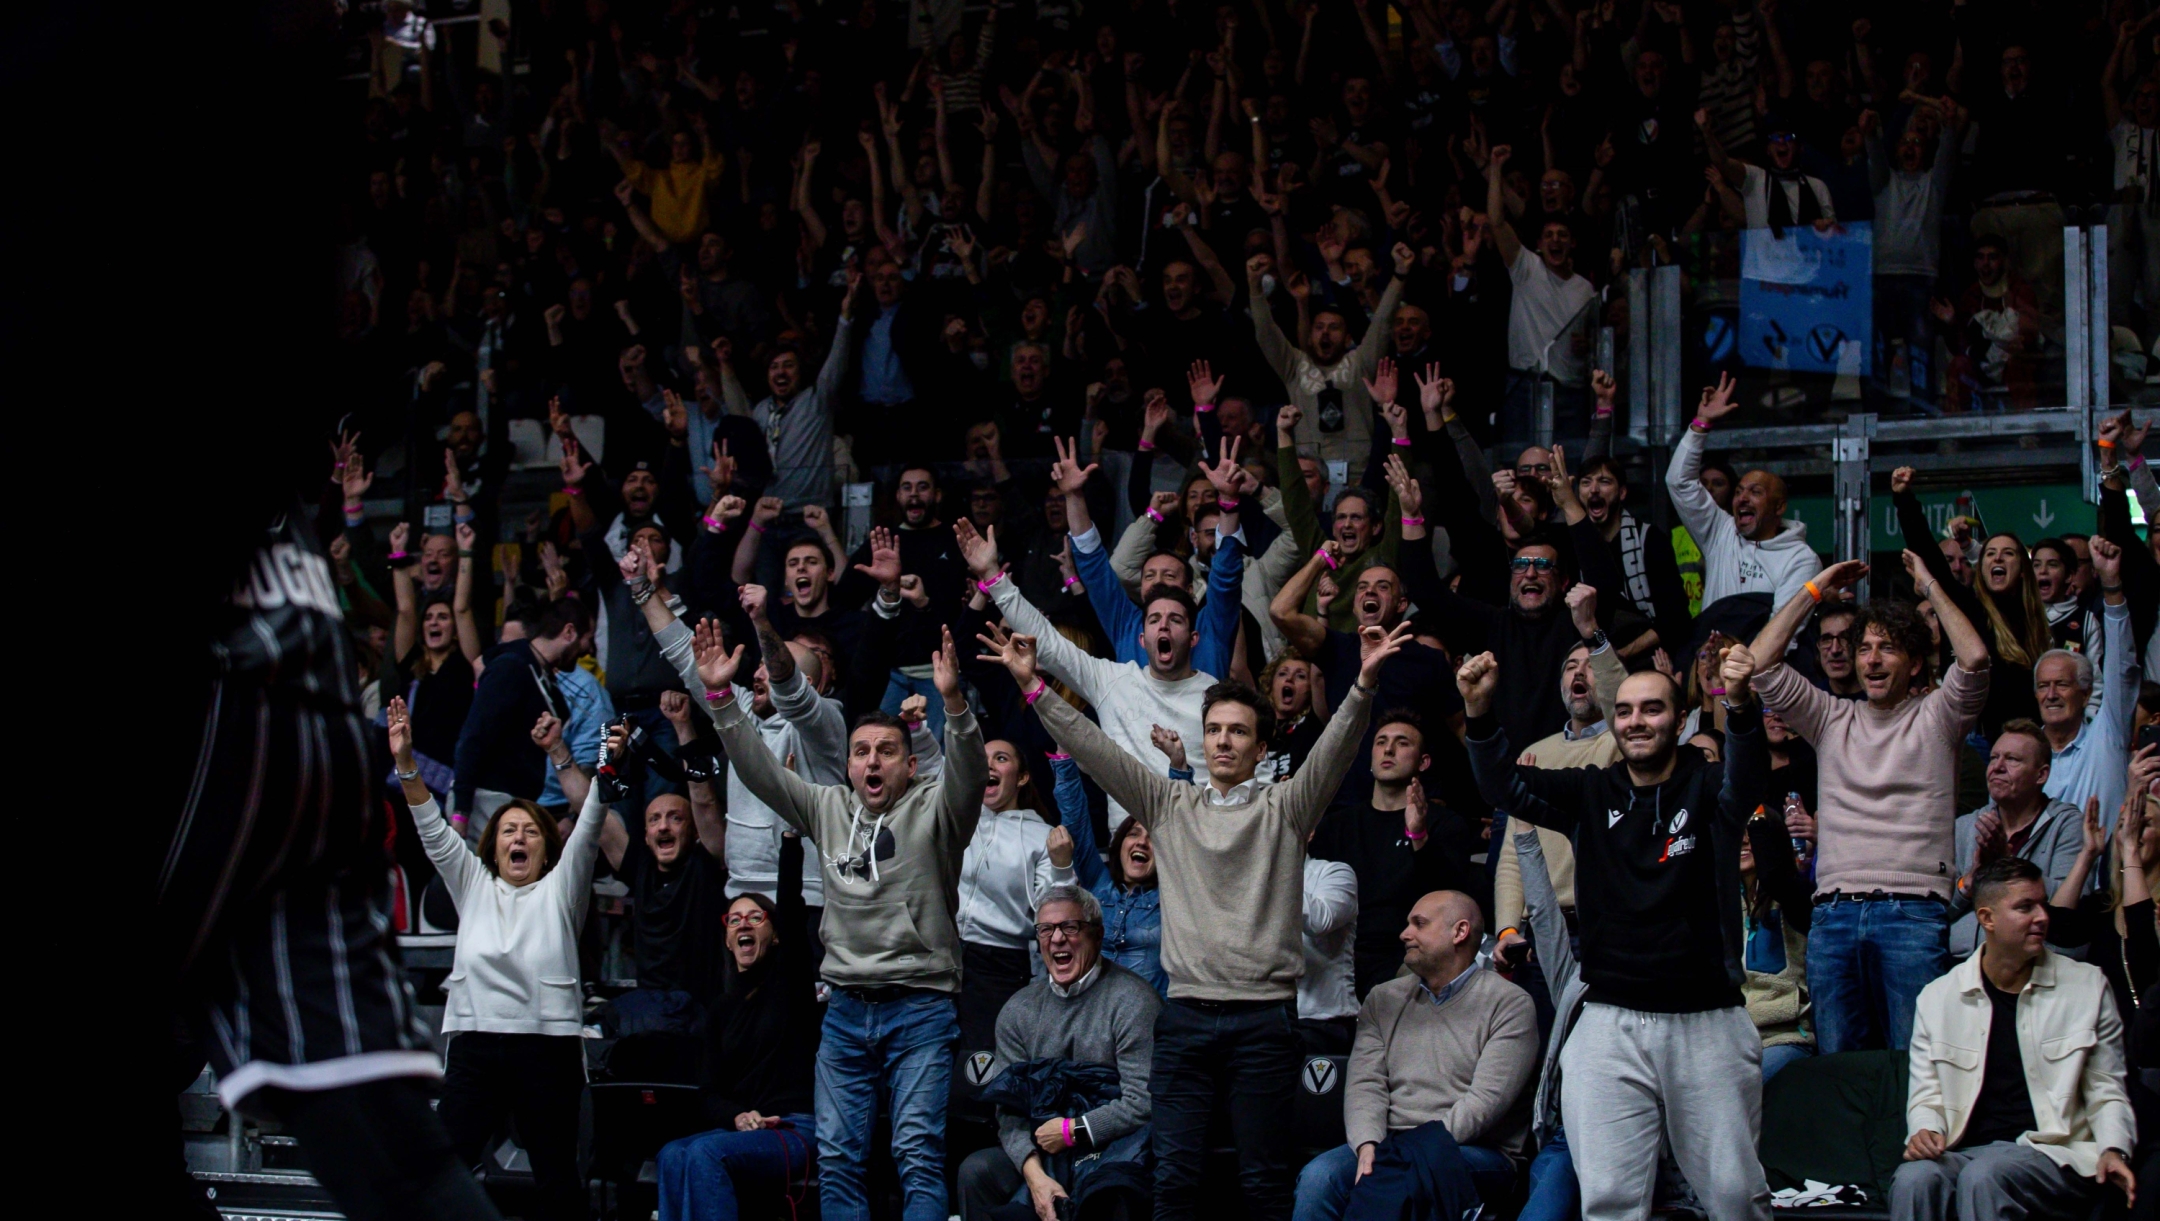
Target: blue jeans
<point x="1554" y="1193"/>
<point x="1867" y="962"/>
<point x="1775" y="1058"/>
<point x="1325" y="1185"/>
<point x="901" y="1050"/>
<point x="700" y="1176"/>
<point x="900" y="686"/>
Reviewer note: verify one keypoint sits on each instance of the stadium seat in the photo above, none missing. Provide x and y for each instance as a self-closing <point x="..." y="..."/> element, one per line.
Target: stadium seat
<point x="1837" y="1119"/>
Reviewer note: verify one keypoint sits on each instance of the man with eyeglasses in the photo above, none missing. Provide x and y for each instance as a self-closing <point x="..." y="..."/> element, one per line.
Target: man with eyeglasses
<point x="1083" y="1009"/>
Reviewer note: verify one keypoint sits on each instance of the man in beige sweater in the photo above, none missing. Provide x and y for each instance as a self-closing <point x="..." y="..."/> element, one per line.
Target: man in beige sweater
<point x="1437" y="1100"/>
<point x="1886" y="807"/>
<point x="1230" y="859"/>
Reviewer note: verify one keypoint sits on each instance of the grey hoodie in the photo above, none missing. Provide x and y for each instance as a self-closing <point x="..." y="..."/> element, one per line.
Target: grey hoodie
<point x="891" y="880"/>
<point x="2057" y="837"/>
<point x="1777" y="566"/>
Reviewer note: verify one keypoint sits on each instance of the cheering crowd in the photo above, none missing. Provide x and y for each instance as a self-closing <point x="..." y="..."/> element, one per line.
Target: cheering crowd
<point x="1200" y="698"/>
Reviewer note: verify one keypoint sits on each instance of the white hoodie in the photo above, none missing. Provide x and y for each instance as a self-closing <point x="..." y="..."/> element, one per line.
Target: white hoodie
<point x="1733" y="564"/>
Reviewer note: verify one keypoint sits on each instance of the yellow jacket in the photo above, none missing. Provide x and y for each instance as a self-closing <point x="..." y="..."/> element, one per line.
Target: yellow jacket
<point x="677" y="194"/>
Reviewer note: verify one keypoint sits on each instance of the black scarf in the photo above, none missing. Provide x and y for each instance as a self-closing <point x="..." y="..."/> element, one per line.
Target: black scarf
<point x="1781" y="213"/>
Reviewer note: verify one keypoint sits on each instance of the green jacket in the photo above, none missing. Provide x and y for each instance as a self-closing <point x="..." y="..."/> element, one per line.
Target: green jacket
<point x="1303" y="518"/>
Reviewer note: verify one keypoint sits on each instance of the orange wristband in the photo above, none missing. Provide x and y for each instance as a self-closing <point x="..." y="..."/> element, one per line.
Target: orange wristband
<point x="2104" y="443"/>
<point x="1812" y="591"/>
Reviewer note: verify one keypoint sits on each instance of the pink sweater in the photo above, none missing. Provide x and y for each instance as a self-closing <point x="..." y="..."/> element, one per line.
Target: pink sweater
<point x="1887" y="780"/>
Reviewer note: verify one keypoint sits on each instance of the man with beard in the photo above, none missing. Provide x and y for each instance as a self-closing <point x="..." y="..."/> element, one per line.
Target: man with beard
<point x="1886" y="804"/>
<point x="1589" y="680"/>
<point x="1751" y="549"/>
<point x="678" y="899"/>
<point x="794" y="722"/>
<point x="1400" y="844"/>
<point x="1130" y="698"/>
<point x="1327" y="378"/>
<point x="927" y="552"/>
<point x="893" y="849"/>
<point x="1781" y="196"/>
<point x="1641" y="552"/>
<point x="1664" y="1047"/>
<point x="848" y="611"/>
<point x="1358" y="534"/>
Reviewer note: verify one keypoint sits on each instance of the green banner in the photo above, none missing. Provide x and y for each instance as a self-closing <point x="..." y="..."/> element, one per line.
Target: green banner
<point x="2031" y="511"/>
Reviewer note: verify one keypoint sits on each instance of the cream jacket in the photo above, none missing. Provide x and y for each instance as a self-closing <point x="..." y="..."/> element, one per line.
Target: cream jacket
<point x="2070" y="1037"/>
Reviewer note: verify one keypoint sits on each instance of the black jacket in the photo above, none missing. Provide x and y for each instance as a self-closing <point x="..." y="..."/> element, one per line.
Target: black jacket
<point x="495" y="749"/>
<point x="762" y="1031"/>
<point x="1657" y="869"/>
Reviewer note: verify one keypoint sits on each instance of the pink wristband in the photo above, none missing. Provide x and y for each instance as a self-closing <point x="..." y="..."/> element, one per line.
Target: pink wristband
<point x="1699" y="424"/>
<point x="1057" y="756"/>
<point x="398" y="555"/>
<point x="1413" y="521"/>
<point x="1415" y="838"/>
<point x="1071" y="581"/>
<point x="710" y="524"/>
<point x="1226" y="503"/>
<point x="985" y="586"/>
<point x="722" y="695"/>
<point x="1068" y="1133"/>
<point x="1329" y="557"/>
<point x="2136" y="461"/>
<point x="1402" y="441"/>
<point x="572" y="490"/>
<point x="1602" y="411"/>
<point x="1203" y="406"/>
<point x="1037" y="693"/>
<point x="355" y="509"/>
<point x="1146" y="444"/>
<point x="754" y="526"/>
<point x="1152" y="513"/>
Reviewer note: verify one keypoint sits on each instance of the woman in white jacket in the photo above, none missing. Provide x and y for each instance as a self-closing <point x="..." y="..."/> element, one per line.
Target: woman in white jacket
<point x="515" y="1009"/>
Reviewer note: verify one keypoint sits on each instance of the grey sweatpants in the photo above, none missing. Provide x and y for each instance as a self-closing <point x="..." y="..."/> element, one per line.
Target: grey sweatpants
<point x="2003" y="1181"/>
<point x="1628" y="1078"/>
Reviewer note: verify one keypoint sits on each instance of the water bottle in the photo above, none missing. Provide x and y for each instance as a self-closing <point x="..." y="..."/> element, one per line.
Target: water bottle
<point x="1799" y="845"/>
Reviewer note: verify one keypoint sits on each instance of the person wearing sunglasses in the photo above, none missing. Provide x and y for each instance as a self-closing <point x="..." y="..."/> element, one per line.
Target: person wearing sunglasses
<point x="1083" y="1009"/>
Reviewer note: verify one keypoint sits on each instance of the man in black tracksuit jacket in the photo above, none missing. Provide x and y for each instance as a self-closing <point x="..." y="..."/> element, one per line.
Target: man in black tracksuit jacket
<point x="1664" y="1046"/>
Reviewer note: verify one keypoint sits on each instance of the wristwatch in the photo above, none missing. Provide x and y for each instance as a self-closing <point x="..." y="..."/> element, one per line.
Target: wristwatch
<point x="1596" y="641"/>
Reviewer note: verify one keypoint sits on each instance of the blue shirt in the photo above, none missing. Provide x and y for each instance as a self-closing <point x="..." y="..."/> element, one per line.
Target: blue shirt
<point x="1214" y="636"/>
<point x="2094" y="763"/>
<point x="883" y="380"/>
<point x="590" y="712"/>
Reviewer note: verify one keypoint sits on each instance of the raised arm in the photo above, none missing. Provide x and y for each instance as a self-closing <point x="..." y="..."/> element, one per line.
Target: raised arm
<point x="443" y="845"/>
<point x="1075" y="820"/>
<point x="1777" y="634"/>
<point x="788" y="795"/>
<point x="406" y="592"/>
<point x="1698" y="510"/>
<point x="461" y="597"/>
<point x="1965" y="641"/>
<point x="1088" y="675"/>
<point x="1129" y="782"/>
<point x="1504" y="239"/>
<point x="1307" y="632"/>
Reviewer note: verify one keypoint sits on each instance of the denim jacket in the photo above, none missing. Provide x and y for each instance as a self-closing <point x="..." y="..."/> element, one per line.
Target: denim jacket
<point x="1132" y="919"/>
